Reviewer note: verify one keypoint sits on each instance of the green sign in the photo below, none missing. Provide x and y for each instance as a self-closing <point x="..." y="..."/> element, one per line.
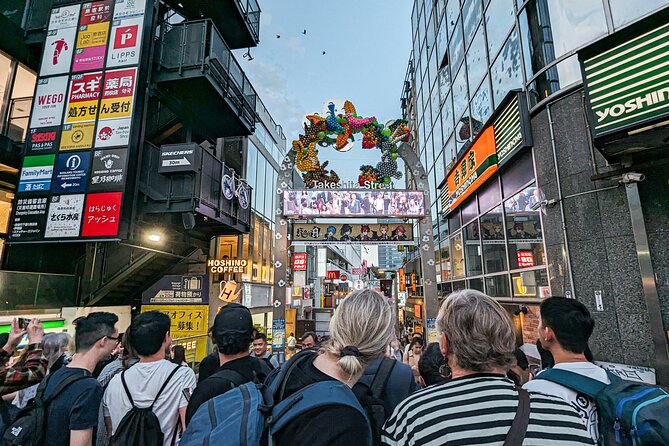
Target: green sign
<point x="508" y="131"/>
<point x="628" y="85"/>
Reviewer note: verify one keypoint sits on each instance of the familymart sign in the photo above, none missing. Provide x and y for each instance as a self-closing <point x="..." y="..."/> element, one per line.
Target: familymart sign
<point x="628" y="85"/>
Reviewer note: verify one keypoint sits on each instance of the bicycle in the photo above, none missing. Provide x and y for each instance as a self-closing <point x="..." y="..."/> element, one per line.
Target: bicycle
<point x="234" y="186"/>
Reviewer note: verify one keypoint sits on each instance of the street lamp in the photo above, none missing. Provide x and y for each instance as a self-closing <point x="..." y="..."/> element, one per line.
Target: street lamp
<point x="154" y="236"/>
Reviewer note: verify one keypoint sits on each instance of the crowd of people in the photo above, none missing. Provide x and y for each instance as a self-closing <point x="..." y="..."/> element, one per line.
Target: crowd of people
<point x="473" y="386"/>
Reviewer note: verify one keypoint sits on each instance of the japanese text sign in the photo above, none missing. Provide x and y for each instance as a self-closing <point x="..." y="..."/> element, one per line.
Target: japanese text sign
<point x="185" y="320"/>
<point x="300" y="261"/>
<point x="101" y="214"/>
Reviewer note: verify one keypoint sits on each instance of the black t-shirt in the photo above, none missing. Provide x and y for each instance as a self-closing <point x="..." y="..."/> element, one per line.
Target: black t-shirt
<point x="326" y="426"/>
<point x="250" y="369"/>
<point x="208" y="366"/>
<point x="76" y="408"/>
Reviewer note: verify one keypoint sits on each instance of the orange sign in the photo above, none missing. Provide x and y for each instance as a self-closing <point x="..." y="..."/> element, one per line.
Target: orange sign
<point x="474" y="167"/>
<point x="401" y="279"/>
<point x="413" y="281"/>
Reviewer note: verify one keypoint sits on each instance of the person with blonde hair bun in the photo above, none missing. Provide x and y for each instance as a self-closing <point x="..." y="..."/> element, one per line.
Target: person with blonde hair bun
<point x="360" y="329"/>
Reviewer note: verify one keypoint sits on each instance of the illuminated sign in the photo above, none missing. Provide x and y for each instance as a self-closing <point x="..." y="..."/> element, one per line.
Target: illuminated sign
<point x="353" y="203"/>
<point x="525" y="259"/>
<point x="379" y="234"/>
<point x="101" y="214"/>
<point x="512" y="128"/>
<point x="300" y="261"/>
<point x="332" y="275"/>
<point x="401" y="279"/>
<point x="227" y="265"/>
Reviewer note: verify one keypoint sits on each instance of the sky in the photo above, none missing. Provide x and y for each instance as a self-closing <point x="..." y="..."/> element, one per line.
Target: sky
<point x="367" y="45"/>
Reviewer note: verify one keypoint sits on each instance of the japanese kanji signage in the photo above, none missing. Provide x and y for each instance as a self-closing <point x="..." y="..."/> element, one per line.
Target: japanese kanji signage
<point x="108" y="170"/>
<point x="92" y="38"/>
<point x="300" y="261"/>
<point x="36" y="173"/>
<point x="64" y="217"/>
<point x="186" y="320"/>
<point x="29" y="218"/>
<point x="175" y="289"/>
<point x="372" y="233"/>
<point x="116" y="108"/>
<point x="81" y="111"/>
<point x="101" y="214"/>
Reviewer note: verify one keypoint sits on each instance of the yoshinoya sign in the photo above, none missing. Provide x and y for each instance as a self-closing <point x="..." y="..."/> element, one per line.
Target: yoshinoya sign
<point x="626" y="80"/>
<point x="179" y="158"/>
<point x="512" y="127"/>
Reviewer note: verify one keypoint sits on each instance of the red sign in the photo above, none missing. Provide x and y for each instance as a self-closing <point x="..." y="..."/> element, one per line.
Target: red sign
<point x="300" y="261"/>
<point x="96" y="12"/>
<point x="126" y="37"/>
<point x="343" y="277"/>
<point x="525" y="259"/>
<point x="331" y="275"/>
<point x="356" y="271"/>
<point x="101" y="214"/>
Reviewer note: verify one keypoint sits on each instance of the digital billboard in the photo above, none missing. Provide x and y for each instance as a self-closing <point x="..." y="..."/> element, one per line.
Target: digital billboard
<point x="379" y="234"/>
<point x="353" y="203"/>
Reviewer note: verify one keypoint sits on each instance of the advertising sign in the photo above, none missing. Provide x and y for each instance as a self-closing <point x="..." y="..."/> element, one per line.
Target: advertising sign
<point x="353" y="203"/>
<point x="230" y="266"/>
<point x="179" y="158"/>
<point x="82" y="110"/>
<point x="29" y="218"/>
<point x="58" y="50"/>
<point x="108" y="170"/>
<point x="125" y="42"/>
<point x="525" y="259"/>
<point x="174" y="289"/>
<point x="332" y="275"/>
<point x="64" y="17"/>
<point x="279" y="333"/>
<point x="116" y="108"/>
<point x="128" y="8"/>
<point x="185" y="320"/>
<point x="512" y="128"/>
<point x="300" y="261"/>
<point x="92" y="38"/>
<point x="474" y="167"/>
<point x="41" y="140"/>
<point x="101" y="214"/>
<point x="380" y="234"/>
<point x="196" y="348"/>
<point x="49" y="102"/>
<point x="36" y="173"/>
<point x="64" y="217"/>
<point x="71" y="172"/>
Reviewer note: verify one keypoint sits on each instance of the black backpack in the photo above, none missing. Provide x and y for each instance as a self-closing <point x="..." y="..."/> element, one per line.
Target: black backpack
<point x="140" y="426"/>
<point x="371" y="400"/>
<point x="30" y="425"/>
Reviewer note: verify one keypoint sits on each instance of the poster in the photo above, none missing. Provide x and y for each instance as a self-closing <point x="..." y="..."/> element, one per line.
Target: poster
<point x="36" y="173"/>
<point x="108" y="170"/>
<point x="64" y="217"/>
<point x="175" y="289"/>
<point x="101" y="214"/>
<point x="42" y="140"/>
<point x="186" y="320"/>
<point x="71" y="172"/>
<point x="386" y="234"/>
<point x="278" y="333"/>
<point x="128" y="8"/>
<point x="196" y="348"/>
<point x="58" y="51"/>
<point x="64" y="17"/>
<point x="92" y="38"/>
<point x="48" y="102"/>
<point x="82" y="108"/>
<point x="125" y="42"/>
<point x="29" y="219"/>
<point x="353" y="203"/>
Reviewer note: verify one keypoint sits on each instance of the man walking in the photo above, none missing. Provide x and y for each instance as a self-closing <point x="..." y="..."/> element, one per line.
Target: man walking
<point x="150" y="336"/>
<point x="479" y="404"/>
<point x="260" y="351"/>
<point x="72" y="416"/>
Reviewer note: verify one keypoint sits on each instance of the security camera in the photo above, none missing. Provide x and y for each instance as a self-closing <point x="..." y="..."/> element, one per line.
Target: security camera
<point x="633" y="177"/>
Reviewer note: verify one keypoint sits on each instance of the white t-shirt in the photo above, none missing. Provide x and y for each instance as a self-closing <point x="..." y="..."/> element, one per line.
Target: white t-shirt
<point x="144" y="379"/>
<point x="292" y="342"/>
<point x="585" y="407"/>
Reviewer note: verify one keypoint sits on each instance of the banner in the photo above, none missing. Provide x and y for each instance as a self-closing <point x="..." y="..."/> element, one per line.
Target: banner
<point x="48" y="102"/>
<point x="64" y="217"/>
<point x="175" y="289"/>
<point x="185" y="320"/>
<point x="125" y="42"/>
<point x="381" y="234"/>
<point x="82" y="111"/>
<point x="353" y="203"/>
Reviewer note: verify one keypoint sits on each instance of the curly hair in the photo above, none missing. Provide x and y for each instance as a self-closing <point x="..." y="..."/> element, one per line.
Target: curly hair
<point x="233" y="343"/>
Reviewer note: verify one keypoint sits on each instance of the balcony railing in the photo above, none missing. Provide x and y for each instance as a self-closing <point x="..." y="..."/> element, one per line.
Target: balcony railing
<point x="251" y="11"/>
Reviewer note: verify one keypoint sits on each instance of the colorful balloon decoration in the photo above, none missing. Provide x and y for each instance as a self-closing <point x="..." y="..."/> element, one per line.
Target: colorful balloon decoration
<point x="339" y="130"/>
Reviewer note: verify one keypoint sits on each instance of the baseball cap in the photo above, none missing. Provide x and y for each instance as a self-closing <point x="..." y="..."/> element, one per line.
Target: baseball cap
<point x="233" y="318"/>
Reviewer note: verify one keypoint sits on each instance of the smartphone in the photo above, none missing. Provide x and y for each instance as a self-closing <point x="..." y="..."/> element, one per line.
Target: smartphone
<point x="23" y="323"/>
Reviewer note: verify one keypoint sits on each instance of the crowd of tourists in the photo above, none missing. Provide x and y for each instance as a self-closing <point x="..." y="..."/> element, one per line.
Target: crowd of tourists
<point x="359" y="385"/>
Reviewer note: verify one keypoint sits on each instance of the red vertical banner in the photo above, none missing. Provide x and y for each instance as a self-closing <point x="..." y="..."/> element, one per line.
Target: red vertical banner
<point x="101" y="214"/>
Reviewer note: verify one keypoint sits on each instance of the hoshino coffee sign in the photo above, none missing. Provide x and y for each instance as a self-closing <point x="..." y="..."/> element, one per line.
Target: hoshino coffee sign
<point x="628" y="85"/>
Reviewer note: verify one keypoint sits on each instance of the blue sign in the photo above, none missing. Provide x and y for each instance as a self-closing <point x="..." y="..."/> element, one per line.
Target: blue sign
<point x="71" y="172"/>
<point x="175" y="290"/>
<point x="279" y="333"/>
<point x="36" y="173"/>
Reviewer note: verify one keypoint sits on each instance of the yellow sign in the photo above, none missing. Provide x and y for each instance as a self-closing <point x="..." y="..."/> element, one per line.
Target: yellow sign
<point x="77" y="136"/>
<point x="196" y="348"/>
<point x="81" y="111"/>
<point x="187" y="320"/>
<point x="228" y="291"/>
<point x="93" y="35"/>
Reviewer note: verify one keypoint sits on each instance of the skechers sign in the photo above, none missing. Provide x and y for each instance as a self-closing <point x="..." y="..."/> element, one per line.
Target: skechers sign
<point x="627" y="85"/>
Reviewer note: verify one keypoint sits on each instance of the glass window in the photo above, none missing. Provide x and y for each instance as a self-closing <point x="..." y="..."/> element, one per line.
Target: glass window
<point x="477" y="61"/>
<point x="444" y="83"/>
<point x="472" y="17"/>
<point x="481" y="106"/>
<point x="506" y="70"/>
<point x="526" y="248"/>
<point x="625" y="11"/>
<point x="454" y="221"/>
<point x="24" y="83"/>
<point x="498" y="286"/>
<point x="473" y="249"/>
<point x="6" y="198"/>
<point x="457" y="256"/>
<point x="442" y="43"/>
<point x="470" y="210"/>
<point x="435" y="104"/>
<point x="530" y="284"/>
<point x="553" y="79"/>
<point x="518" y="174"/>
<point x="431" y="32"/>
<point x="452" y="14"/>
<point x="5" y="67"/>
<point x="460" y="93"/>
<point x="499" y="18"/>
<point x="439" y="168"/>
<point x="492" y="231"/>
<point x="489" y="196"/>
<point x="456" y="49"/>
<point x="447" y="117"/>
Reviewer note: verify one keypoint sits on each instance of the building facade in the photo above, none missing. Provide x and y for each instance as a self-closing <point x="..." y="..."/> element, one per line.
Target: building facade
<point x="531" y="198"/>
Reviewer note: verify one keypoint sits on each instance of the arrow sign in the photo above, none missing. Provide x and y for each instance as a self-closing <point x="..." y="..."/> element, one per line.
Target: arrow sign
<point x="176" y="162"/>
<point x="66" y="185"/>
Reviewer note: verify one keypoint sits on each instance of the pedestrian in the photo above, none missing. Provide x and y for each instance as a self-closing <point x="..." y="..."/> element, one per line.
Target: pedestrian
<point x="565" y="327"/>
<point x="479" y="404"/>
<point x="152" y="382"/>
<point x="291" y="342"/>
<point x="260" y="351"/>
<point x="394" y="350"/>
<point x="432" y="366"/>
<point x="412" y="356"/>
<point x="233" y="333"/>
<point x="356" y="340"/>
<point x="32" y="371"/>
<point x="209" y="363"/>
<point x="519" y="372"/>
<point x="178" y="355"/>
<point x="72" y="415"/>
<point x="309" y="340"/>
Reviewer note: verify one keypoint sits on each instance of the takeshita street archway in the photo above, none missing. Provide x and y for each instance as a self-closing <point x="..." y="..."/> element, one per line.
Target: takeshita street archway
<point x="339" y="130"/>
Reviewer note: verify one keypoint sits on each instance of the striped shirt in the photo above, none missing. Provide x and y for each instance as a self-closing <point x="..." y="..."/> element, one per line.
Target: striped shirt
<point x="478" y="410"/>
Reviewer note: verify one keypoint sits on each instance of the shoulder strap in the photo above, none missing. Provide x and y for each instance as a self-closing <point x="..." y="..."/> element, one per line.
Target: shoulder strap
<point x="64" y="384"/>
<point x="381" y="377"/>
<point x="169" y="377"/>
<point x="518" y="429"/>
<point x="278" y="385"/>
<point x="575" y="381"/>
<point x="125" y="387"/>
<point x="231" y="375"/>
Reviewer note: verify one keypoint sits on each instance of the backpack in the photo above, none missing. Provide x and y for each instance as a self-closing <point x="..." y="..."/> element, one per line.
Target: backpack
<point x="140" y="426"/>
<point x="370" y="397"/>
<point x="29" y="427"/>
<point x="630" y="412"/>
<point x="249" y="413"/>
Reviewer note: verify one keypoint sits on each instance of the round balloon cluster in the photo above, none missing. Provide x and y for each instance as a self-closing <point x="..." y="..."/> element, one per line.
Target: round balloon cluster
<point x="339" y="130"/>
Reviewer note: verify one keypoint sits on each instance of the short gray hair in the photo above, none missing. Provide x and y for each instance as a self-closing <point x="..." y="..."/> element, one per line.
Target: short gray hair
<point x="53" y="346"/>
<point x="479" y="331"/>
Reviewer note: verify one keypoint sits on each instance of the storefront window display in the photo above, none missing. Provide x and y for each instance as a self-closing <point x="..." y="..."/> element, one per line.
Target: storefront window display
<point x="526" y="248"/>
<point x="494" y="249"/>
<point x="457" y="256"/>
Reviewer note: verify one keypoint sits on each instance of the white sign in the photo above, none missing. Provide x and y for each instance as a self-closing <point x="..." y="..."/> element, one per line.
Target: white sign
<point x="58" y="50"/>
<point x="402" y="298"/>
<point x="64" y="17"/>
<point x="128" y="8"/>
<point x="49" y="102"/>
<point x="64" y="218"/>
<point x="113" y="132"/>
<point x="358" y="284"/>
<point x="630" y="372"/>
<point x="125" y="42"/>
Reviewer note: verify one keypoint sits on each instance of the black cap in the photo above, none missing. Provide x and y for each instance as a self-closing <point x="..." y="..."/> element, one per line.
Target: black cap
<point x="233" y="318"/>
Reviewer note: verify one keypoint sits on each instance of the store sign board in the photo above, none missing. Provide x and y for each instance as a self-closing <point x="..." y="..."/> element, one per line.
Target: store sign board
<point x="81" y="111"/>
<point x="64" y="217"/>
<point x="128" y="8"/>
<point x="36" y="173"/>
<point x="101" y="214"/>
<point x="370" y="234"/>
<point x="176" y="289"/>
<point x="227" y="266"/>
<point x="627" y="86"/>
<point x="71" y="172"/>
<point x="185" y="320"/>
<point x="179" y="158"/>
<point x="43" y="140"/>
<point x="300" y="261"/>
<point x="525" y="259"/>
<point x="108" y="170"/>
<point x="48" y="102"/>
<point x="29" y="218"/>
<point x="92" y="37"/>
<point x="472" y="170"/>
<point x="64" y="17"/>
<point x="58" y="51"/>
<point x="125" y="42"/>
<point x="332" y="275"/>
<point x="512" y="128"/>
